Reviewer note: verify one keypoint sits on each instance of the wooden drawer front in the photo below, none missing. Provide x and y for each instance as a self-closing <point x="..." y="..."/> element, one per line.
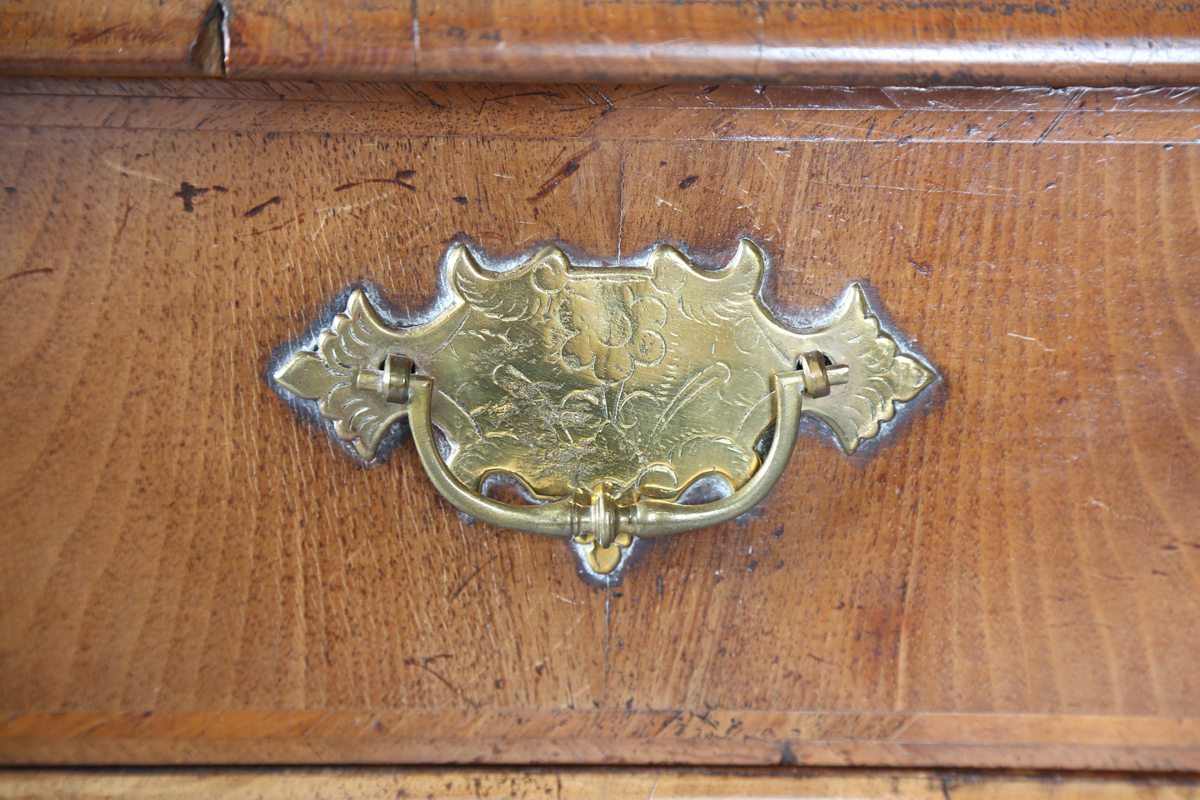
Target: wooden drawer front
<point x="192" y="573"/>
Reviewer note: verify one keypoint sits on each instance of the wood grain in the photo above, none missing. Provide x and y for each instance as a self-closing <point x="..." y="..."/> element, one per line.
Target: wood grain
<point x="579" y="785"/>
<point x="190" y="573"/>
<point x="955" y="42"/>
<point x="150" y="38"/>
<point x="781" y="41"/>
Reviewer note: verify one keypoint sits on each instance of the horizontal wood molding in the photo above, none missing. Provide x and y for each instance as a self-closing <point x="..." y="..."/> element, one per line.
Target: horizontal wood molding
<point x="1054" y="43"/>
<point x="134" y="38"/>
<point x="475" y="784"/>
<point x="523" y="736"/>
<point x="968" y="117"/>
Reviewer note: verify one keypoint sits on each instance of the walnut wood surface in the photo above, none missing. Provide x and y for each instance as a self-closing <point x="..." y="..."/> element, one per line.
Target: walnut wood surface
<point x="152" y="38"/>
<point x="191" y="573"/>
<point x="579" y="785"/>
<point x="955" y="42"/>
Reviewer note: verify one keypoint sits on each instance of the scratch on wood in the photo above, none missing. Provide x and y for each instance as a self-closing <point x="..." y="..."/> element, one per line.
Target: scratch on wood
<point x="23" y="273"/>
<point x="135" y="173"/>
<point x="568" y="169"/>
<point x="281" y="225"/>
<point x="1030" y="339"/>
<point x="399" y="180"/>
<point x="470" y="578"/>
<point x="424" y="664"/>
<point x="1054" y="124"/>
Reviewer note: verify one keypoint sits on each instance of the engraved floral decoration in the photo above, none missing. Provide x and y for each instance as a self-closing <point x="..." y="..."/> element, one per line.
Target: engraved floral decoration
<point x="610" y="331"/>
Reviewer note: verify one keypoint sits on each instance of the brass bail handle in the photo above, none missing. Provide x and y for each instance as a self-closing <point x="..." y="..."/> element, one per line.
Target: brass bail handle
<point x="559" y="363"/>
<point x="603" y="518"/>
<point x="553" y="354"/>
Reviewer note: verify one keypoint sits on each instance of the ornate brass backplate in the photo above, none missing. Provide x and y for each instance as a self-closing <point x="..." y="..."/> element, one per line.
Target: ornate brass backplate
<point x="607" y="392"/>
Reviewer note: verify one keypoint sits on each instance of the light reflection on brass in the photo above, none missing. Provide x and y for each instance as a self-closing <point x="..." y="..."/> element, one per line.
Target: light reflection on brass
<point x="606" y="392"/>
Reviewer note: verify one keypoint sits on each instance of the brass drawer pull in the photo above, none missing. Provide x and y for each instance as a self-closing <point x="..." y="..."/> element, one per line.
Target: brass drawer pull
<point x="603" y="518"/>
<point x="607" y="392"/>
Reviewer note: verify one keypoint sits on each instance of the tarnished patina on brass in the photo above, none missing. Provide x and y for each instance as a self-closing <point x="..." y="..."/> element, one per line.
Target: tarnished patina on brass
<point x="607" y="392"/>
